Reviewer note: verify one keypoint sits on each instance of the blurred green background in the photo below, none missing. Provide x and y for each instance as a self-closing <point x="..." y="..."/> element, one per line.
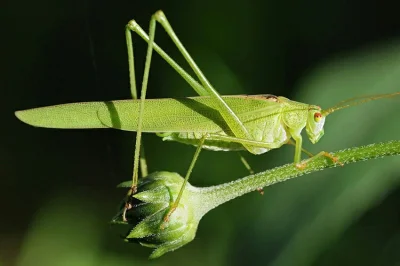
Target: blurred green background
<point x="58" y="187"/>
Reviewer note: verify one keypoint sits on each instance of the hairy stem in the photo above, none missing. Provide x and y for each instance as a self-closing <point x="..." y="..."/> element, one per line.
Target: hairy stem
<point x="213" y="196"/>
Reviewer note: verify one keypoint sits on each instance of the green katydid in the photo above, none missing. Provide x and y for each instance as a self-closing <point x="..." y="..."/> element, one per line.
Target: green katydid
<point x="256" y="123"/>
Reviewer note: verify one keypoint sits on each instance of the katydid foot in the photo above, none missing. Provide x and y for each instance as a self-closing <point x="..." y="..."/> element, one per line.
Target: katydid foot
<point x="127" y="207"/>
<point x="334" y="159"/>
<point x="128" y="204"/>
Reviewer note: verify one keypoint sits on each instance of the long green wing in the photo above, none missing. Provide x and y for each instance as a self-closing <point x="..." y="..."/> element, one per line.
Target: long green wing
<point x="196" y="114"/>
<point x="71" y="115"/>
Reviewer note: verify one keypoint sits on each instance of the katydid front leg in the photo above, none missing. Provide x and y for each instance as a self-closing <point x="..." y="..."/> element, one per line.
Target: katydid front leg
<point x="302" y="165"/>
<point x="297" y="154"/>
<point x="299" y="140"/>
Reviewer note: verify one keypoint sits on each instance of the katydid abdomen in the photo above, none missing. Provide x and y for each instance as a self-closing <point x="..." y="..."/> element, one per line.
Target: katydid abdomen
<point x="184" y="120"/>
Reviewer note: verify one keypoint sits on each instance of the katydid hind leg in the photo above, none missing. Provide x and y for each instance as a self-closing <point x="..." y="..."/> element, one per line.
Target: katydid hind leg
<point x="132" y="81"/>
<point x="143" y="92"/>
<point x="234" y="123"/>
<point x="142" y="102"/>
<point x="131" y="63"/>
<point x="133" y="26"/>
<point x="206" y="88"/>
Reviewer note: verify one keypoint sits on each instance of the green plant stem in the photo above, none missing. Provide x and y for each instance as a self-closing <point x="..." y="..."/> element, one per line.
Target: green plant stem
<point x="214" y="196"/>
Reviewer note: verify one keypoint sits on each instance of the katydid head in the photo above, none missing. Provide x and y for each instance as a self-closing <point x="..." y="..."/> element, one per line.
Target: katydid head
<point x="315" y="124"/>
<point x="316" y="116"/>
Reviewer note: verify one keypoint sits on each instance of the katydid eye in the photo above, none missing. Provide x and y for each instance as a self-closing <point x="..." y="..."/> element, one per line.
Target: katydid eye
<point x="317" y="117"/>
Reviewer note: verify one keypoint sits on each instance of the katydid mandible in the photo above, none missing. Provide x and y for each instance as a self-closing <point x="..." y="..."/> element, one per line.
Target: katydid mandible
<point x="256" y="123"/>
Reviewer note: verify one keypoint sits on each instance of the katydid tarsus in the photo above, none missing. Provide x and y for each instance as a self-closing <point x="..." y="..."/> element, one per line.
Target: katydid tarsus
<point x="255" y="123"/>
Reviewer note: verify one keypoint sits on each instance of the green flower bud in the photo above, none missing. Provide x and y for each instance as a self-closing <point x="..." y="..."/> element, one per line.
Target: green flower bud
<point x="150" y="204"/>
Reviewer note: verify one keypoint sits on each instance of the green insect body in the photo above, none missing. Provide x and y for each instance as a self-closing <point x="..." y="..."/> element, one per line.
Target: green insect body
<point x="270" y="120"/>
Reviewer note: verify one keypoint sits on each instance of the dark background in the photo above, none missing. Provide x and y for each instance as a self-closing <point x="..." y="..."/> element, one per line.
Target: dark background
<point x="58" y="187"/>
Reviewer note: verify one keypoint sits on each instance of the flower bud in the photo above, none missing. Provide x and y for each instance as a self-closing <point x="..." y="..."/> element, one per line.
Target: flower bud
<point x="150" y="205"/>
